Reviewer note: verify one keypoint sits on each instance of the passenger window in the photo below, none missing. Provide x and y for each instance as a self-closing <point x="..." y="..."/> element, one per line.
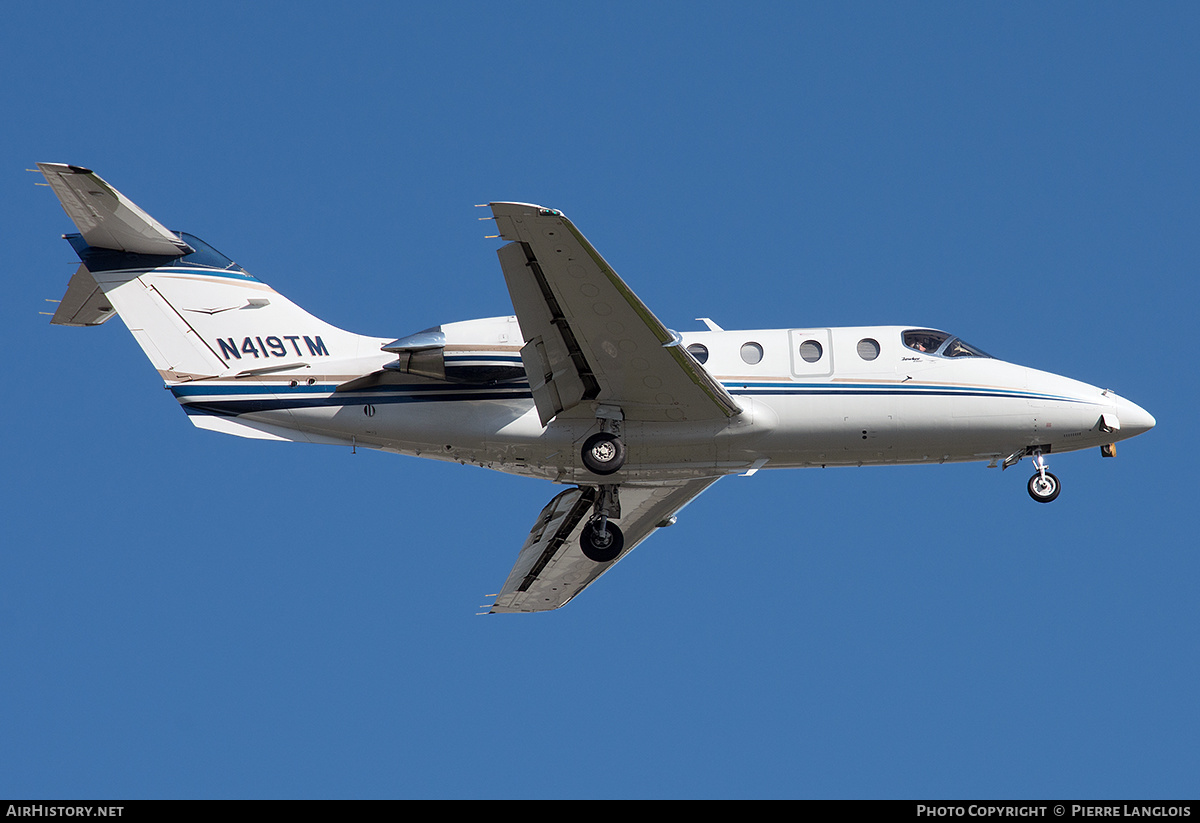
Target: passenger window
<point x="868" y="349"/>
<point x="811" y="351"/>
<point x="698" y="351"/>
<point x="752" y="353"/>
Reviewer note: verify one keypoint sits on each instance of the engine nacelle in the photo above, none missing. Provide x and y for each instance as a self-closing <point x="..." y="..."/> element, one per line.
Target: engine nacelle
<point x="474" y="351"/>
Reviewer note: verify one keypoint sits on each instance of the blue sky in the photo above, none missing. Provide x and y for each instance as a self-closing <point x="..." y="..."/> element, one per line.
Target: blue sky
<point x="185" y="614"/>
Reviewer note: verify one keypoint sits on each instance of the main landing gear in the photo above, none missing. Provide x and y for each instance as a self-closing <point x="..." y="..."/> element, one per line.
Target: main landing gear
<point x="601" y="541"/>
<point x="603" y="453"/>
<point x="1043" y="486"/>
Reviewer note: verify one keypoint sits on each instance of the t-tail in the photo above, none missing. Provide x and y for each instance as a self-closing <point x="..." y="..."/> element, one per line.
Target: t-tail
<point x="196" y="314"/>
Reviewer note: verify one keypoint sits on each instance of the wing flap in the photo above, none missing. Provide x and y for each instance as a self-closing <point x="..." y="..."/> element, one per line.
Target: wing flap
<point x="559" y="375"/>
<point x="598" y="341"/>
<point x="551" y="568"/>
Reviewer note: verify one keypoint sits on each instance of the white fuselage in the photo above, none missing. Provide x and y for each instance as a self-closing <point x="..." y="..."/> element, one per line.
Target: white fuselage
<point x="841" y="409"/>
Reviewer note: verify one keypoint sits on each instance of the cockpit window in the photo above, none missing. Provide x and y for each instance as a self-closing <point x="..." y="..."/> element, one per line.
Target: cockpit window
<point x="930" y="341"/>
<point x="957" y="348"/>
<point x="925" y="340"/>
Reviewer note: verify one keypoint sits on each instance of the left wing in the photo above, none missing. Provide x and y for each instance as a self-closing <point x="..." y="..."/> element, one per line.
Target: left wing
<point x="588" y="338"/>
<point x="552" y="569"/>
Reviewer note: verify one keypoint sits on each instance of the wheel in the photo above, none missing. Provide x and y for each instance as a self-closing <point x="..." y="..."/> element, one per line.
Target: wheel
<point x="603" y="453"/>
<point x="601" y="549"/>
<point x="1043" y="491"/>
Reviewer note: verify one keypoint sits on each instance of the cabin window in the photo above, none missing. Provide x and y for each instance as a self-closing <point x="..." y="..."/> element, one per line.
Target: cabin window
<point x="811" y="351"/>
<point x="868" y="349"/>
<point x="698" y="351"/>
<point x="752" y="353"/>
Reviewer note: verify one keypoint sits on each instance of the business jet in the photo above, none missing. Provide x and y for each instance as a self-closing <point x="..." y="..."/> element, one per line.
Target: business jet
<point x="583" y="386"/>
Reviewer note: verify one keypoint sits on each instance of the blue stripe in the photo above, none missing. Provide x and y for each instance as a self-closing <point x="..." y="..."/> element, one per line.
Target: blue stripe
<point x="747" y="388"/>
<point x="318" y="395"/>
<point x="236" y="407"/>
<point x="483" y="358"/>
<point x="190" y="390"/>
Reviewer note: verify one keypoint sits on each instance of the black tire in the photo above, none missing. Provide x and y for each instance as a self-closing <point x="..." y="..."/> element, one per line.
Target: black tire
<point x="1044" y="492"/>
<point x="598" y="550"/>
<point x="603" y="453"/>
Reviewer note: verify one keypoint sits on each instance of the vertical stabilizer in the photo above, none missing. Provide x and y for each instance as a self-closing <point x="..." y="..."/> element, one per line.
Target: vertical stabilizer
<point x="195" y="313"/>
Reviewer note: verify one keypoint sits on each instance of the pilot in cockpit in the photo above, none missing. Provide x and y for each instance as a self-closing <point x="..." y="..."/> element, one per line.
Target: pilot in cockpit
<point x="930" y="341"/>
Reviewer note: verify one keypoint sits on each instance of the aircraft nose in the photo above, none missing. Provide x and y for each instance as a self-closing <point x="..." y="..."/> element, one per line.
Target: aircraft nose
<point x="1134" y="419"/>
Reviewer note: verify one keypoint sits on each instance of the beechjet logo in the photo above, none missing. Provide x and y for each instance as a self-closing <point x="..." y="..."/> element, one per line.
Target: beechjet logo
<point x="272" y="346"/>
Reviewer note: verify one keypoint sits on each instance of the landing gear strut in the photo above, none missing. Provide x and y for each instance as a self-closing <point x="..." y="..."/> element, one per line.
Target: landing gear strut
<point x="601" y="541"/>
<point x="1043" y="486"/>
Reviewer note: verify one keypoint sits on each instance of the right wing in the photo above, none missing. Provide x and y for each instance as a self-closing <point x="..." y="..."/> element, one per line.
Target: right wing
<point x="588" y="338"/>
<point x="552" y="569"/>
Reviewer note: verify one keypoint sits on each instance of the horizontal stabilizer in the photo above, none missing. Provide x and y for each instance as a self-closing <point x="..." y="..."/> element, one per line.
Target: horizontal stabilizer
<point x="84" y="304"/>
<point x="105" y="217"/>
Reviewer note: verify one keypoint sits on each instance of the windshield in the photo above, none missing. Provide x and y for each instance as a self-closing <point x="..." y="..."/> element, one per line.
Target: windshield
<point x="957" y="348"/>
<point x="931" y="341"/>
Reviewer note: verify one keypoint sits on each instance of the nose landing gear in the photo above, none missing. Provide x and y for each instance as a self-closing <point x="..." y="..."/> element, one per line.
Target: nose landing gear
<point x="1043" y="486"/>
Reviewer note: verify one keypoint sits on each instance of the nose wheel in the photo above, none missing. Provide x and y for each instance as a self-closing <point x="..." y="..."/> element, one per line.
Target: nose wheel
<point x="1043" y="486"/>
